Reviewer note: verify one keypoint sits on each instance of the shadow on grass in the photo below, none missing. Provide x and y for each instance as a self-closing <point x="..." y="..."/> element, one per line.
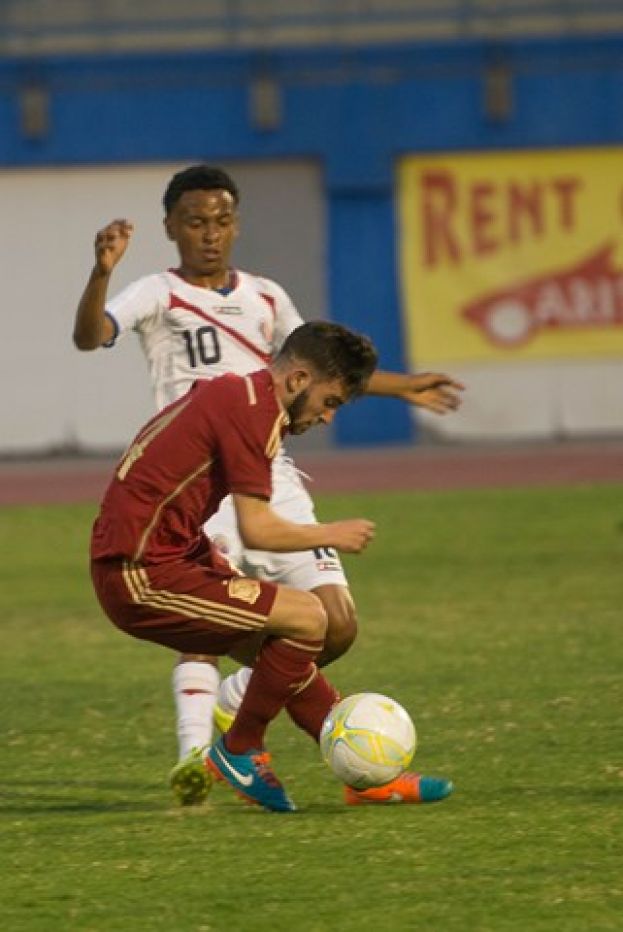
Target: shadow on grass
<point x="64" y="808"/>
<point x="22" y="797"/>
<point x="59" y="782"/>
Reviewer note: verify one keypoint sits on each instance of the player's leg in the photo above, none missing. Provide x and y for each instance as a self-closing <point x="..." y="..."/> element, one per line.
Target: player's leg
<point x="317" y="571"/>
<point x="200" y="608"/>
<point x="295" y="634"/>
<point x="341" y="620"/>
<point x="322" y="574"/>
<point x="341" y="632"/>
<point x="195" y="683"/>
<point x="284" y="669"/>
<point x="196" y="678"/>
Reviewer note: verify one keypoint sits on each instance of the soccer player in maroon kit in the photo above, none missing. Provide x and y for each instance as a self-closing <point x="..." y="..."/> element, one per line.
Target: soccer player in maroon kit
<point x="159" y="578"/>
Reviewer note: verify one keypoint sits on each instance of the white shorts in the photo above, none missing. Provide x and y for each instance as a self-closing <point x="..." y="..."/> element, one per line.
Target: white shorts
<point x="306" y="569"/>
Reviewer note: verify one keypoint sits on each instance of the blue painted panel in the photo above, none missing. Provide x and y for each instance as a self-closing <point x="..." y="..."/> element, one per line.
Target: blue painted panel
<point x="354" y="109"/>
<point x="362" y="285"/>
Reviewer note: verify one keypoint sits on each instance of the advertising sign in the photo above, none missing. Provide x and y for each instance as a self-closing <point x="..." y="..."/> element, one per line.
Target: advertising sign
<point x="512" y="255"/>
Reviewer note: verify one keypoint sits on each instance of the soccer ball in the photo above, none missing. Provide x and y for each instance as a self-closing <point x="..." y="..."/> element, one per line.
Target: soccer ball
<point x="367" y="740"/>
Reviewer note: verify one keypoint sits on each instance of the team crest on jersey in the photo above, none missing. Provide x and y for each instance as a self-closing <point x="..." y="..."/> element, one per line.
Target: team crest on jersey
<point x="247" y="590"/>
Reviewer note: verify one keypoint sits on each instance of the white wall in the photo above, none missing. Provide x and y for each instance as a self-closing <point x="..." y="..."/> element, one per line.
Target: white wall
<point x="534" y="401"/>
<point x="54" y="395"/>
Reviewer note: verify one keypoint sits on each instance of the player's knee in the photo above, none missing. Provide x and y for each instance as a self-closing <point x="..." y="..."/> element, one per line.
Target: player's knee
<point x="314" y="618"/>
<point x="341" y="633"/>
<point x="341" y="622"/>
<point x="297" y="614"/>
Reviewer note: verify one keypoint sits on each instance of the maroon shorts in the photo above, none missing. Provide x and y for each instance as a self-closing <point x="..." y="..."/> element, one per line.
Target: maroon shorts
<point x="190" y="606"/>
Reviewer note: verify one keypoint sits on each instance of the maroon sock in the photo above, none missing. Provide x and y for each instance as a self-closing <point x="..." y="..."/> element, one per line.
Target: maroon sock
<point x="309" y="707"/>
<point x="282" y="667"/>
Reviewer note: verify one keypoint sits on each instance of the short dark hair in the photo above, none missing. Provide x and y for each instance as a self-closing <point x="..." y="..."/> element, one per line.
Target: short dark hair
<point x="334" y="351"/>
<point x="198" y="178"/>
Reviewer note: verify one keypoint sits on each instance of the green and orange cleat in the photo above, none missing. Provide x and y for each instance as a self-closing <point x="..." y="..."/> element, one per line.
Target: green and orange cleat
<point x="190" y="780"/>
<point x="407" y="788"/>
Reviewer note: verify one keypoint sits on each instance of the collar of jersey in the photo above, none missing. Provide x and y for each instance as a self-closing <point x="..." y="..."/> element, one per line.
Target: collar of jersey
<point x="224" y="291"/>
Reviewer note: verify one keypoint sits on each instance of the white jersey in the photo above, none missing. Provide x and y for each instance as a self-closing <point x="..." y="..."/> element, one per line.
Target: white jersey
<point x="189" y="332"/>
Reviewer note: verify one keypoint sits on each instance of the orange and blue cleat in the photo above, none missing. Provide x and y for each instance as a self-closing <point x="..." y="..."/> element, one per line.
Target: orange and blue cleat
<point x="407" y="788"/>
<point x="251" y="776"/>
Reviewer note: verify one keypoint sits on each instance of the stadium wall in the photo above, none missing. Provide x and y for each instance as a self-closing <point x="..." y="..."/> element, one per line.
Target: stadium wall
<point x="354" y="112"/>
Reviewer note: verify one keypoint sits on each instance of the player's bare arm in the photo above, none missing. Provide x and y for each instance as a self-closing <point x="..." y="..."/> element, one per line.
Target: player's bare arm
<point x="91" y="326"/>
<point x="433" y="391"/>
<point x="262" y="529"/>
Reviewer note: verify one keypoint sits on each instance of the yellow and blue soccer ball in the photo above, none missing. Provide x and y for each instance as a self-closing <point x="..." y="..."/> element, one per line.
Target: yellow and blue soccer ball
<point x="367" y="740"/>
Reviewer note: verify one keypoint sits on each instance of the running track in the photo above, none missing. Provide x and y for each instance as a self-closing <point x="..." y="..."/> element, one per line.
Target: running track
<point x="83" y="479"/>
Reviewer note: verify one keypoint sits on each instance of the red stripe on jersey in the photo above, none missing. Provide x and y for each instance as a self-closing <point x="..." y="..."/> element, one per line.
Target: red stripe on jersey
<point x="271" y="303"/>
<point x="175" y="301"/>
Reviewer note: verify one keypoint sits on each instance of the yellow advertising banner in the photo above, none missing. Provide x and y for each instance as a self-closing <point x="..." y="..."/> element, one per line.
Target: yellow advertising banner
<point x="512" y="255"/>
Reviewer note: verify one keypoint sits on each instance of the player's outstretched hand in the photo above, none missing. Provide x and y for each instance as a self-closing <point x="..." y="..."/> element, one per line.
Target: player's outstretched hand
<point x="433" y="391"/>
<point x="110" y="244"/>
<point x="352" y="535"/>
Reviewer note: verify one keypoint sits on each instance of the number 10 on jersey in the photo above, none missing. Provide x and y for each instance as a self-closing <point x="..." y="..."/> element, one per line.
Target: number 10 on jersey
<point x="202" y="346"/>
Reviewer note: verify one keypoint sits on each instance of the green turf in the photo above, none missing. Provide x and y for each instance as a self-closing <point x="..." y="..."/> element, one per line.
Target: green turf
<point x="495" y="617"/>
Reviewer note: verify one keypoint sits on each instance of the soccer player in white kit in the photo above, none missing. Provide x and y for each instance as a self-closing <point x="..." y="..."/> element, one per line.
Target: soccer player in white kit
<point x="198" y="321"/>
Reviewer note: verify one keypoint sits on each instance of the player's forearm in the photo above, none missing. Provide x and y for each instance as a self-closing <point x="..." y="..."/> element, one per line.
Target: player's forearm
<point x="385" y="383"/>
<point x="262" y="529"/>
<point x="91" y="326"/>
<point x="283" y="536"/>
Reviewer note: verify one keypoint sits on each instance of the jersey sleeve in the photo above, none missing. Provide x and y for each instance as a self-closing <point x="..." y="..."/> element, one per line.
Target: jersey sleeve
<point x="137" y="307"/>
<point x="287" y="318"/>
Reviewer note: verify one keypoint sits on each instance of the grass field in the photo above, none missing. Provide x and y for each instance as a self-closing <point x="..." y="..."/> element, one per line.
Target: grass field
<point x="495" y="617"/>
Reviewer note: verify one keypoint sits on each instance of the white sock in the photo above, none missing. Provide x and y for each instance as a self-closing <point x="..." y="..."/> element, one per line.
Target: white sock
<point x="195" y="688"/>
<point x="233" y="688"/>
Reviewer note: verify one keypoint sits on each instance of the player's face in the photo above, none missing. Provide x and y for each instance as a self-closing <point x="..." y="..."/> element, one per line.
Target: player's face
<point x="315" y="405"/>
<point x="204" y="225"/>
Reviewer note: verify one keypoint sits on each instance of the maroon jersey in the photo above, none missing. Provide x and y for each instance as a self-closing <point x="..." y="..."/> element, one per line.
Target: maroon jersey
<point x="218" y="438"/>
